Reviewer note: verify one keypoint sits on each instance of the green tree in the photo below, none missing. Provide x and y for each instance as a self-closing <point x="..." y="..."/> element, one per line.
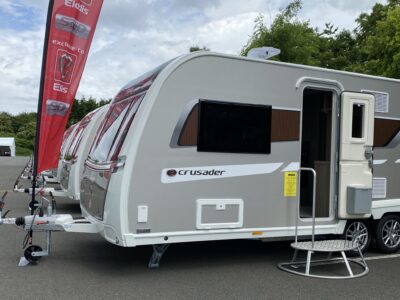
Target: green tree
<point x="6" y="123"/>
<point x="296" y="39"/>
<point x="337" y="50"/>
<point x="104" y="102"/>
<point x="378" y="39"/>
<point x="23" y="125"/>
<point x="25" y="138"/>
<point x="195" y="48"/>
<point x="21" y="119"/>
<point x="372" y="48"/>
<point x="82" y="107"/>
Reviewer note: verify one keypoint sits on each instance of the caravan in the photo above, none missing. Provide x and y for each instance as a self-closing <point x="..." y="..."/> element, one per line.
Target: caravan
<point x="76" y="152"/>
<point x="52" y="176"/>
<point x="207" y="146"/>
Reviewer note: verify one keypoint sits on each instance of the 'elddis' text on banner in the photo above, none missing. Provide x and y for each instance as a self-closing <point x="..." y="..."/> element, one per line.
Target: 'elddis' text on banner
<point x="71" y="30"/>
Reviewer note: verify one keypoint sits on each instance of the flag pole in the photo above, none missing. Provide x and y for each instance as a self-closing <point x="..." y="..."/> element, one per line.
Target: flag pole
<point x="40" y="102"/>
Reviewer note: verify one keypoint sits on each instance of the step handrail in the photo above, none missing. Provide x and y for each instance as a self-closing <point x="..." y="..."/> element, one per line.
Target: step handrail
<point x="313" y="205"/>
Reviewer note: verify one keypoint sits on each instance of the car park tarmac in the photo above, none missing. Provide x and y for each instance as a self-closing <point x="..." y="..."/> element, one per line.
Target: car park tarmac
<point x="85" y="266"/>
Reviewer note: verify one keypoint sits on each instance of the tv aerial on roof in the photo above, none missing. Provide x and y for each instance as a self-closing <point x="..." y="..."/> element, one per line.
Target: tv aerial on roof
<point x="263" y="52"/>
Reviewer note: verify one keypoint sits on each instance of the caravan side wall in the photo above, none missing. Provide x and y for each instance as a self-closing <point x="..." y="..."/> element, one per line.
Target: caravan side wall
<point x="153" y="205"/>
<point x="72" y="170"/>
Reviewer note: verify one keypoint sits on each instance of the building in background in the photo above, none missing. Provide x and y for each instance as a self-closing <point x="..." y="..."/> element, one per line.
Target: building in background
<point x="7" y="146"/>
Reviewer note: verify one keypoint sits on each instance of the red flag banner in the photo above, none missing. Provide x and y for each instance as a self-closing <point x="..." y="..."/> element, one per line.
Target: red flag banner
<point x="70" y="30"/>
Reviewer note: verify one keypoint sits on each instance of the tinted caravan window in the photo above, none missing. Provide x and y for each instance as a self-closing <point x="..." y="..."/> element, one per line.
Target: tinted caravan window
<point x="65" y="138"/>
<point x="136" y="100"/>
<point x="128" y="98"/>
<point x="73" y="148"/>
<point x="233" y="127"/>
<point x="114" y="119"/>
<point x="75" y="139"/>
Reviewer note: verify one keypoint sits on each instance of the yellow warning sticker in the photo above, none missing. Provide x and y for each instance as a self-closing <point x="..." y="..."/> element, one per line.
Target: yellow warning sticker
<point x="290" y="184"/>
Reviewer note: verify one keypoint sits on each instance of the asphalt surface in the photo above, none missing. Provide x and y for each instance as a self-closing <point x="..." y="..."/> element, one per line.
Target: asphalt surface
<point x="85" y="266"/>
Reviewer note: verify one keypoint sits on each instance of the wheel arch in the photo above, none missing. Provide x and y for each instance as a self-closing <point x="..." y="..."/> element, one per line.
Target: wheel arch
<point x="383" y="207"/>
<point x="376" y="217"/>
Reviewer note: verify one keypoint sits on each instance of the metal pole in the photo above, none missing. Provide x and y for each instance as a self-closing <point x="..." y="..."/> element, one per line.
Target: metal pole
<point x="40" y="101"/>
<point x="313" y="202"/>
<point x="313" y="207"/>
<point x="298" y="206"/>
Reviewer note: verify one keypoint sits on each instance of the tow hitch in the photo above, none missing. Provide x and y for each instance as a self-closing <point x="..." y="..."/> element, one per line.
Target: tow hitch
<point x="40" y="222"/>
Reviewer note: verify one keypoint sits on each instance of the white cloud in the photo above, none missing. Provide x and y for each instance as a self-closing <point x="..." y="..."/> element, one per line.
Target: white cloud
<point x="135" y="36"/>
<point x="341" y="13"/>
<point x="20" y="62"/>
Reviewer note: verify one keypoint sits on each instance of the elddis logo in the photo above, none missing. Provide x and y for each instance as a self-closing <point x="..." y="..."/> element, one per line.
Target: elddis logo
<point x="77" y="5"/>
<point x="184" y="172"/>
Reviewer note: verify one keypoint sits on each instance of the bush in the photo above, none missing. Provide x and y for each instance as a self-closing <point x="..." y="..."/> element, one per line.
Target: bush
<point x="20" y="151"/>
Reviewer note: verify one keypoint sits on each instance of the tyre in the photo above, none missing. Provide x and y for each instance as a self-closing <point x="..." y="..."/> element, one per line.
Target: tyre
<point x="358" y="230"/>
<point x="388" y="234"/>
<point x="28" y="254"/>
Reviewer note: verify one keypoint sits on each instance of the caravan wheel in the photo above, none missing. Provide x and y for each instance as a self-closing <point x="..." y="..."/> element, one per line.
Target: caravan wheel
<point x="388" y="234"/>
<point x="28" y="254"/>
<point x="358" y="229"/>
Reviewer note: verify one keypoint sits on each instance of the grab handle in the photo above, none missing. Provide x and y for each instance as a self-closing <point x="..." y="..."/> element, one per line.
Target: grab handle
<point x="313" y="204"/>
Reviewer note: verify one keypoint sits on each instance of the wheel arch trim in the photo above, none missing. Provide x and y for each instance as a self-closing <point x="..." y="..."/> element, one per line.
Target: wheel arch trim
<point x="383" y="207"/>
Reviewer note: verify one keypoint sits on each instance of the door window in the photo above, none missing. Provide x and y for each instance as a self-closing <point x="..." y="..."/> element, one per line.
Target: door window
<point x="358" y="121"/>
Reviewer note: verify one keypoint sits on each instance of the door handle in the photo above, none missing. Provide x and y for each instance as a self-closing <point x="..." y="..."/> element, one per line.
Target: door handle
<point x="369" y="155"/>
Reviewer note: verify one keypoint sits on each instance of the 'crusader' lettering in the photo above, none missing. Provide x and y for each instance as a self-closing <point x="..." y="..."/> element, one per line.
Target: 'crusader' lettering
<point x="201" y="172"/>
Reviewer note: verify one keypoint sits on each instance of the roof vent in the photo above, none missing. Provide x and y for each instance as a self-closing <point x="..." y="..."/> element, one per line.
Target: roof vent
<point x="381" y="101"/>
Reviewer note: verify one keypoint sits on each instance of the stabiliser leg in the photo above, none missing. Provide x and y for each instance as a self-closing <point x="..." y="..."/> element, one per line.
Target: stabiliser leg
<point x="158" y="252"/>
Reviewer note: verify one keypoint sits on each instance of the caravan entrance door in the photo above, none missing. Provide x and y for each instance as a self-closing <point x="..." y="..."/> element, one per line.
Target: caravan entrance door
<point x="355" y="155"/>
<point x="318" y="144"/>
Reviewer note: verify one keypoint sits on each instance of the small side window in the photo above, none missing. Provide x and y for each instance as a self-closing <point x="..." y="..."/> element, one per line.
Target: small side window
<point x="358" y="121"/>
<point x="285" y="127"/>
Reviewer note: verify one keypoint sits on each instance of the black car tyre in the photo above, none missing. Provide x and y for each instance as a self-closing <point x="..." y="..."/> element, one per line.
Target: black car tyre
<point x="28" y="254"/>
<point x="388" y="234"/>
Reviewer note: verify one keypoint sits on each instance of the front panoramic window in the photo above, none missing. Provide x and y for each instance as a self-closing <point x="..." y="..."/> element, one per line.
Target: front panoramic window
<point x="110" y="130"/>
<point x="77" y="137"/>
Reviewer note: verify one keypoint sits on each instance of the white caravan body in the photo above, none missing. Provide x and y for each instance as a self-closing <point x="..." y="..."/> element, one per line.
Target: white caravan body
<point x="77" y="150"/>
<point x="52" y="176"/>
<point x="69" y="133"/>
<point x="207" y="146"/>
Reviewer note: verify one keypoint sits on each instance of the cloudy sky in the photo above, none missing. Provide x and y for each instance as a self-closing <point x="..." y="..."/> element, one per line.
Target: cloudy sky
<point x="134" y="36"/>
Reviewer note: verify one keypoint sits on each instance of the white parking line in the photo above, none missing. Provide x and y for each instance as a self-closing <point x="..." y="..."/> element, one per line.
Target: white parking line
<point x="382" y="257"/>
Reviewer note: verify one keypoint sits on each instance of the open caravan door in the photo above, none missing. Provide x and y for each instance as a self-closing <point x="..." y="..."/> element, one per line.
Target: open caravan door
<point x="356" y="155"/>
